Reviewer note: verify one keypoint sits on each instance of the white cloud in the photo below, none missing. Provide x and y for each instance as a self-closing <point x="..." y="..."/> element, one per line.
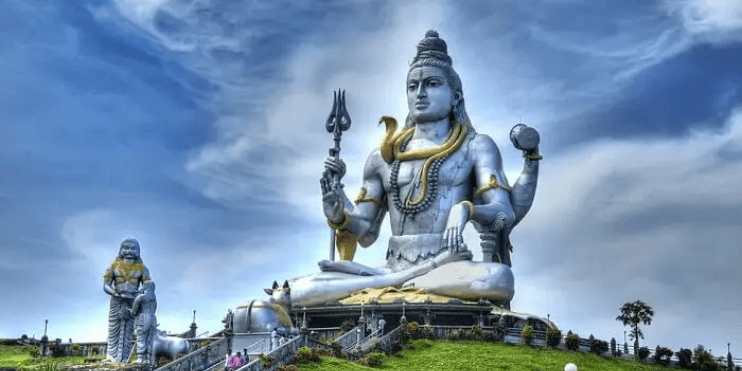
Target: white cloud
<point x="715" y="21"/>
<point x="656" y="220"/>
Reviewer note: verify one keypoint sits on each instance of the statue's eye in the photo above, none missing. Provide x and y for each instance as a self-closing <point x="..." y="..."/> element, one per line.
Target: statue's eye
<point x="411" y="87"/>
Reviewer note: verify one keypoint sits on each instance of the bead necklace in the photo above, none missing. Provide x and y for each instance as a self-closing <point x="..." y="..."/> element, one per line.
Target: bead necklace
<point x="431" y="192"/>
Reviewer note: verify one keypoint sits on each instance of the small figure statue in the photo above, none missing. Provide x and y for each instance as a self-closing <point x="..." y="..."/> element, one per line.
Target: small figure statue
<point x="433" y="177"/>
<point x="122" y="281"/>
<point x="144" y="308"/>
<point x="274" y="339"/>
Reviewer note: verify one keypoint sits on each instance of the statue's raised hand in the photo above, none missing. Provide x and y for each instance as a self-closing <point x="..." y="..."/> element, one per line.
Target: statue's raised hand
<point x="332" y="200"/>
<point x="453" y="238"/>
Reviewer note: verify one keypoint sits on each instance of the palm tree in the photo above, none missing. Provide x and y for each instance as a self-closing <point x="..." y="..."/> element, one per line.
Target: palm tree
<point x="631" y="315"/>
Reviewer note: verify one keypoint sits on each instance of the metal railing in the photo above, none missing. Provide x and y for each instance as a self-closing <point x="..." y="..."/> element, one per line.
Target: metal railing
<point x="368" y="340"/>
<point x="281" y="355"/>
<point x="286" y="352"/>
<point x="260" y="347"/>
<point x="350" y="338"/>
<point x="201" y="359"/>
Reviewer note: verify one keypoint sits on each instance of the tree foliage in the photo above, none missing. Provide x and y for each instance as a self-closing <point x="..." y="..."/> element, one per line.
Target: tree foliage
<point x="634" y="314"/>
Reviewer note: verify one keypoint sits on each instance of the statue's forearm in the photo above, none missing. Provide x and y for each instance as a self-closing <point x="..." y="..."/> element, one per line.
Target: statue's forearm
<point x="524" y="189"/>
<point x="108" y="288"/>
<point x="365" y="229"/>
<point x="487" y="213"/>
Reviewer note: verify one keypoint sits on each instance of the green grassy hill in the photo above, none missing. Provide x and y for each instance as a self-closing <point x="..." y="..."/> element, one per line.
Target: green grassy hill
<point x="19" y="357"/>
<point x="470" y="356"/>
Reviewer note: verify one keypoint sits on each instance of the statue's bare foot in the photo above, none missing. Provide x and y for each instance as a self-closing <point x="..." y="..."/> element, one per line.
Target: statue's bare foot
<point x="450" y="257"/>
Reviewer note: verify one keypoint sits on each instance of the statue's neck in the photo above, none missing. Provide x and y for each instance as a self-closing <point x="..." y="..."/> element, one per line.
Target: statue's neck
<point x="433" y="131"/>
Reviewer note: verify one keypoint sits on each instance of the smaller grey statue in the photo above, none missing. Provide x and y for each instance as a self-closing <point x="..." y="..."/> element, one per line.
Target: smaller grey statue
<point x="144" y="308"/>
<point x="122" y="281"/>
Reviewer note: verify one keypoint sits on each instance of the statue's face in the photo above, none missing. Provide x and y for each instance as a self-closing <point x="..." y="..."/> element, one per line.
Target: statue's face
<point x="129" y="250"/>
<point x="429" y="97"/>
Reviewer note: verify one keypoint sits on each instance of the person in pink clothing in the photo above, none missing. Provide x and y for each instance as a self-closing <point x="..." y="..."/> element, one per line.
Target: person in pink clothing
<point x="236" y="361"/>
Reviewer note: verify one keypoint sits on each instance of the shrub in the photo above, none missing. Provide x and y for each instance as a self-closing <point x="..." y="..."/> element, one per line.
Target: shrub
<point x="374" y="359"/>
<point x="553" y="337"/>
<point x="347" y="325"/>
<point x="453" y="335"/>
<point x="464" y="335"/>
<point x="685" y="358"/>
<point x="572" y="341"/>
<point x="477" y="333"/>
<point x="288" y="368"/>
<point x="613" y="346"/>
<point x="411" y="331"/>
<point x="527" y="334"/>
<point x="336" y="349"/>
<point x="49" y="365"/>
<point x="306" y="355"/>
<point x="266" y="361"/>
<point x="643" y="353"/>
<point x="662" y="355"/>
<point x="599" y="346"/>
<point x="703" y="360"/>
<point x="376" y="347"/>
<point x="427" y="332"/>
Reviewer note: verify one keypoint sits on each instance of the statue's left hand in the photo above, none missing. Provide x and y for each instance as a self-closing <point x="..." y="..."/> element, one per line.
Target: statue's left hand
<point x="453" y="238"/>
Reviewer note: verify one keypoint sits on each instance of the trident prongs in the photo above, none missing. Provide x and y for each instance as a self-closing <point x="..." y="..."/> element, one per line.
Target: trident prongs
<point x="338" y="121"/>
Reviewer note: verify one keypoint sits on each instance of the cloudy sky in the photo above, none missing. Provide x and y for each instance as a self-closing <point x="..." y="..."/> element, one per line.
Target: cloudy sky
<point x="196" y="126"/>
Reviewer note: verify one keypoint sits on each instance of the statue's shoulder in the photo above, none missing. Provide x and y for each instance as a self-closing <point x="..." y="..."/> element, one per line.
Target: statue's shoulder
<point x="482" y="143"/>
<point x="374" y="163"/>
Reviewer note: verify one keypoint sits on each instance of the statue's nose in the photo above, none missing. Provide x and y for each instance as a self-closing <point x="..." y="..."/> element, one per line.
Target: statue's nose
<point x="421" y="91"/>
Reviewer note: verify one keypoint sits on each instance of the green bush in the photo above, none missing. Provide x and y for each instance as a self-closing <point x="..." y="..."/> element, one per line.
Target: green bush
<point x="553" y="337"/>
<point x="411" y="331"/>
<point x="527" y="334"/>
<point x="336" y="350"/>
<point x="599" y="346"/>
<point x="643" y="353"/>
<point x="347" y="325"/>
<point x="685" y="358"/>
<point x="703" y="360"/>
<point x="572" y="341"/>
<point x="374" y="359"/>
<point x="477" y="333"/>
<point x="266" y="361"/>
<point x="307" y="355"/>
<point x="662" y="356"/>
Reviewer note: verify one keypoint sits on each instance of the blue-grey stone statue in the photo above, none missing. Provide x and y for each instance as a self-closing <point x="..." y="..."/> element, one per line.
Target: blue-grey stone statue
<point x="122" y="281"/>
<point x="144" y="308"/>
<point x="433" y="177"/>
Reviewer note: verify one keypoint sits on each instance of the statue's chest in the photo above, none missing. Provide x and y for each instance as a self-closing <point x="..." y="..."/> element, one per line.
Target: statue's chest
<point x="453" y="171"/>
<point x="127" y="275"/>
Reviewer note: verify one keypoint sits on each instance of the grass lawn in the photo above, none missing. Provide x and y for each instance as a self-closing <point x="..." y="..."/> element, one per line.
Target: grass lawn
<point x="20" y="357"/>
<point x="471" y="355"/>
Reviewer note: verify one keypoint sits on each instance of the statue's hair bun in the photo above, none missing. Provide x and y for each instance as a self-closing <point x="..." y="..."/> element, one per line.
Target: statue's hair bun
<point x="432" y="46"/>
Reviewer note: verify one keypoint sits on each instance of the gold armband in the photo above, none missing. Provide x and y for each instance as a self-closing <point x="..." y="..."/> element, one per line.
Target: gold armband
<point x="343" y="223"/>
<point x="470" y="208"/>
<point x="362" y="198"/>
<point x="534" y="157"/>
<point x="493" y="184"/>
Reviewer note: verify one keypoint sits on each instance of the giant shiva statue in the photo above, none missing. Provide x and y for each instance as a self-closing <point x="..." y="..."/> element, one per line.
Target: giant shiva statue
<point x="433" y="176"/>
<point x="122" y="281"/>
